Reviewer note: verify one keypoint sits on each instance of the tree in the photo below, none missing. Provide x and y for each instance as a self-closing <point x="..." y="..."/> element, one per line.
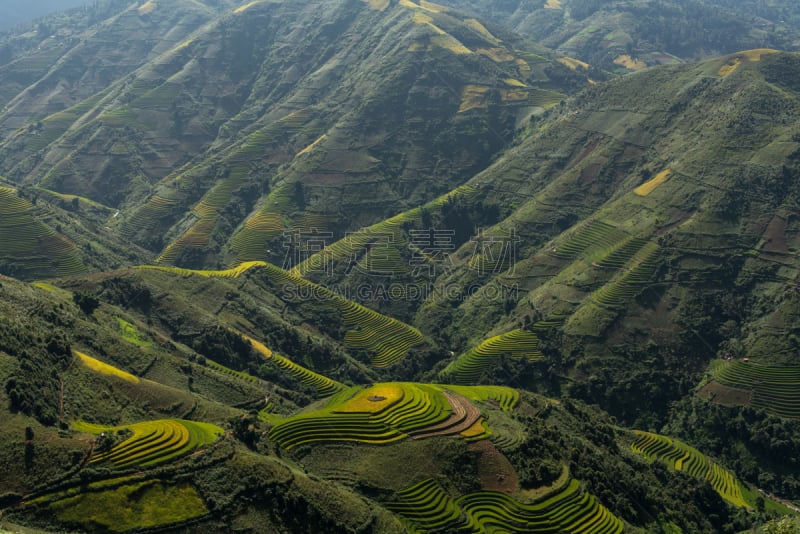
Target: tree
<point x="86" y="302"/>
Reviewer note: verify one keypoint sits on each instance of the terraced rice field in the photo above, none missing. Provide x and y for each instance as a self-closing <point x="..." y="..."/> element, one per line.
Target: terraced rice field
<point x="152" y="442"/>
<point x="147" y="217"/>
<point x="621" y="289"/>
<point x="419" y="406"/>
<point x="131" y="334"/>
<point x="474" y="97"/>
<point x="385" y="338"/>
<point x="625" y="60"/>
<point x="465" y="420"/>
<point x="357" y="242"/>
<point x="476" y="431"/>
<point x="573" y="63"/>
<point x="323" y="385"/>
<point x="427" y="506"/>
<point x="123" y="116"/>
<point x="682" y="457"/>
<point x="543" y="98"/>
<point x="737" y="59"/>
<point x="622" y="254"/>
<point x="72" y="198"/>
<point x="481" y="29"/>
<point x="308" y="222"/>
<point x="33" y="248"/>
<point x="503" y="396"/>
<point x="775" y="389"/>
<point x="239" y="162"/>
<point x="469" y="367"/>
<point x="448" y="42"/>
<point x="245" y="7"/>
<point x="160" y="97"/>
<point x="250" y="241"/>
<point x="648" y="187"/>
<point x="593" y="236"/>
<point x="235" y="272"/>
<point x="104" y="368"/>
<point x="231" y="372"/>
<point x="389" y="412"/>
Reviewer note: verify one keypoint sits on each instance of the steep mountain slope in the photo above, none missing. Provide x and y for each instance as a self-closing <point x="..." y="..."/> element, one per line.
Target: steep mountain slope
<point x="71" y="57"/>
<point x="632" y="34"/>
<point x="300" y="104"/>
<point x="683" y="197"/>
<point x="642" y="230"/>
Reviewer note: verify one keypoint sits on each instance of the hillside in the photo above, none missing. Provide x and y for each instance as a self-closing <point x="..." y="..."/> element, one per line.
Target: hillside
<point x="629" y="35"/>
<point x="209" y="157"/>
<point x="385" y="266"/>
<point x="641" y="231"/>
<point x="129" y="396"/>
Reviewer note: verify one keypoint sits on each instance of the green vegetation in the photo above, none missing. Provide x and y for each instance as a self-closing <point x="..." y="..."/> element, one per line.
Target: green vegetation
<point x="356" y="242"/>
<point x="385" y="338"/>
<point x="427" y="506"/>
<point x="469" y="367"/>
<point x="389" y="412"/>
<point x="774" y="388"/>
<point x="131" y="334"/>
<point x="151" y="442"/>
<point x="141" y="505"/>
<point x="323" y="385"/>
<point x="28" y="247"/>
<point x="681" y="457"/>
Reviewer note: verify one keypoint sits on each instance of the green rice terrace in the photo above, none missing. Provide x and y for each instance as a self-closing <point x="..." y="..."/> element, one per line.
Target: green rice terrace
<point x="385" y="338"/>
<point x="390" y="412"/>
<point x="323" y="385"/>
<point x="681" y="457"/>
<point x="151" y="442"/>
<point x="772" y="388"/>
<point x="468" y="367"/>
<point x="23" y="235"/>
<point x="428" y="507"/>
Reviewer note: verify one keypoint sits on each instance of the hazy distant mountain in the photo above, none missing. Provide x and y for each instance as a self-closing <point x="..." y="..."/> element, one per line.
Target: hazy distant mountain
<point x="13" y="12"/>
<point x="630" y="34"/>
